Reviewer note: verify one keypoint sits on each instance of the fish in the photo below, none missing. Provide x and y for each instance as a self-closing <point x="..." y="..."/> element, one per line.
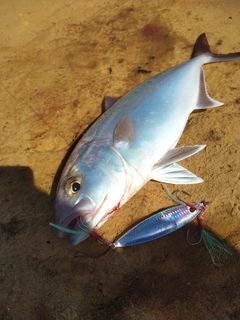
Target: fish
<point x="132" y="142"/>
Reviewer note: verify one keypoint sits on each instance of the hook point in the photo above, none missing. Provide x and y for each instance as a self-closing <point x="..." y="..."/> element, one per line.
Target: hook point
<point x="193" y="243"/>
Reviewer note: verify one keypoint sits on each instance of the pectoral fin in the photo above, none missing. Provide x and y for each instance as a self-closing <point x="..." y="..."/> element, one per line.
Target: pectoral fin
<point x="124" y="131"/>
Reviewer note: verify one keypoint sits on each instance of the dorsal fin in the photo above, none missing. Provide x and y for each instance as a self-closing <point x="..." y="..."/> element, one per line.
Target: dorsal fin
<point x="201" y="46"/>
<point x="124" y="131"/>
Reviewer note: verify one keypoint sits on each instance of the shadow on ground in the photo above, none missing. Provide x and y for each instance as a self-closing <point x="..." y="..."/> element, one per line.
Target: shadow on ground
<point x="42" y="277"/>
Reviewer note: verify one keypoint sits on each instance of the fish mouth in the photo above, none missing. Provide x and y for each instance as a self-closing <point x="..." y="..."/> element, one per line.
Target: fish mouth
<point x="82" y="232"/>
<point x="82" y="218"/>
<point x="83" y="210"/>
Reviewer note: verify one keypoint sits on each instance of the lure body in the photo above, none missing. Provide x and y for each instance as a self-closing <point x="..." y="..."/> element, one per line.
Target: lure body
<point x="160" y="224"/>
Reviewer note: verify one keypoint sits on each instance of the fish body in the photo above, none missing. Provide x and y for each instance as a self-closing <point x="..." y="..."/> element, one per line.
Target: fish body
<point x="133" y="142"/>
<point x="160" y="224"/>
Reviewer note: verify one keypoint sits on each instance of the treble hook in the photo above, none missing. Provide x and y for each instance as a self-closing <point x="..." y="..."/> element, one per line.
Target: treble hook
<point x="194" y="243"/>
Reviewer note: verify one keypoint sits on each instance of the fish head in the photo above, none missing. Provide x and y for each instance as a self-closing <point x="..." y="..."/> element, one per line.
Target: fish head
<point x="90" y="189"/>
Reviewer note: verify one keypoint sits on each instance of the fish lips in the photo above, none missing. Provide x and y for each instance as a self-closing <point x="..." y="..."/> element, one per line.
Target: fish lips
<point x="84" y="209"/>
<point x="77" y="238"/>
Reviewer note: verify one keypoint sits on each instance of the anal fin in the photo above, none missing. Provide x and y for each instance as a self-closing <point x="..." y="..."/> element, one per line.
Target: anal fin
<point x="175" y="174"/>
<point x="204" y="100"/>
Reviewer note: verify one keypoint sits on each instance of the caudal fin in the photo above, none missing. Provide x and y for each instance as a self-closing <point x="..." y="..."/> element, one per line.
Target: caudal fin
<point x="202" y="47"/>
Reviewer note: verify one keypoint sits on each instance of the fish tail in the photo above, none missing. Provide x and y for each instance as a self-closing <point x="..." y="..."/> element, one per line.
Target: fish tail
<point x="202" y="47"/>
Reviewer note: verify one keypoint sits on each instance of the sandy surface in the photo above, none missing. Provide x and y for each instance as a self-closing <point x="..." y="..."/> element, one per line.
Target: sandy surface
<point x="58" y="60"/>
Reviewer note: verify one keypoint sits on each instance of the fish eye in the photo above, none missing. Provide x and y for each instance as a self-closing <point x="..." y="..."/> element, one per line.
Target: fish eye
<point x="72" y="187"/>
<point x="75" y="186"/>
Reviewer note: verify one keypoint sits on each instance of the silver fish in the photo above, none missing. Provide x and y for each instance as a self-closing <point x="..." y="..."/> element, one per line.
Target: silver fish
<point x="133" y="142"/>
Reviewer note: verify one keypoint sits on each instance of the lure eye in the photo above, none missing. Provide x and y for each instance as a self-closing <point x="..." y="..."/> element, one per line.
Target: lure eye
<point x="73" y="186"/>
<point x="191" y="208"/>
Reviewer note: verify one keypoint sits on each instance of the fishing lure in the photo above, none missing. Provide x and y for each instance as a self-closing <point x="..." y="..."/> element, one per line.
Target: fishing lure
<point x="160" y="224"/>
